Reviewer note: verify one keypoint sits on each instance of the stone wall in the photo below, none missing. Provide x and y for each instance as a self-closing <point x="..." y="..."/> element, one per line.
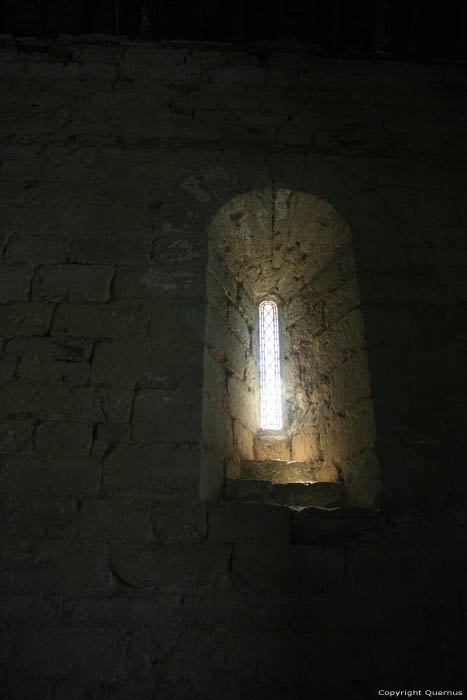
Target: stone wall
<point x="116" y="580"/>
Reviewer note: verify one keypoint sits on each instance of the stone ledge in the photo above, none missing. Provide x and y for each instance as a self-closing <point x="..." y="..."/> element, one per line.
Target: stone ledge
<point x="278" y="471"/>
<point x="320" y="494"/>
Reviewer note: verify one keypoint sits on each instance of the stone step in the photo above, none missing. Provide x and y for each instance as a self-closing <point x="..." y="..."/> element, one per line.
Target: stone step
<point x="322" y="494"/>
<point x="279" y="471"/>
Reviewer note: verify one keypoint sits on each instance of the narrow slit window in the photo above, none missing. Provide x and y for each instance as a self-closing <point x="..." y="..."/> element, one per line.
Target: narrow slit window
<point x="270" y="371"/>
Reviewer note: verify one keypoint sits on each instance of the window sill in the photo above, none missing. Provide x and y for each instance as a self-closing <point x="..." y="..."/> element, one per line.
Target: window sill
<point x="317" y="494"/>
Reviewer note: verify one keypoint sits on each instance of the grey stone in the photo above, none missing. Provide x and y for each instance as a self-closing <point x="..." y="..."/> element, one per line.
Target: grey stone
<point x="151" y="469"/>
<point x="249" y="522"/>
<point x="7" y="369"/>
<point x="112" y="320"/>
<point x="141" y="282"/>
<point x="182" y="567"/>
<point x="279" y="470"/>
<point x="320" y="526"/>
<point x="73" y="283"/>
<point x="289" y="569"/>
<point x="52" y="517"/>
<point x="59" y="402"/>
<point x="162" y="415"/>
<point x="38" y="370"/>
<point x="15" y="283"/>
<point x="177" y="520"/>
<point x="35" y="476"/>
<point x="109" y="244"/>
<point x="88" y="653"/>
<point x="26" y="319"/>
<point x="125" y="519"/>
<point x="319" y="493"/>
<point x="37" y="249"/>
<point x="126" y="363"/>
<point x="68" y="350"/>
<point x="16" y="437"/>
<point x="63" y="439"/>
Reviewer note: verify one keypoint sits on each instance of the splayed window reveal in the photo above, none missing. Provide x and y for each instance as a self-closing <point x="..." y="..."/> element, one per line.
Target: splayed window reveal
<point x="270" y="371"/>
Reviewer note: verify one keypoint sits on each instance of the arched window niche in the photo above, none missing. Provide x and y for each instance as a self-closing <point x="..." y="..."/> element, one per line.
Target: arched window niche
<point x="295" y="249"/>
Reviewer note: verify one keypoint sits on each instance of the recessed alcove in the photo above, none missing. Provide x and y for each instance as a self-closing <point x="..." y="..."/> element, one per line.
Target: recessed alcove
<point x="296" y="249"/>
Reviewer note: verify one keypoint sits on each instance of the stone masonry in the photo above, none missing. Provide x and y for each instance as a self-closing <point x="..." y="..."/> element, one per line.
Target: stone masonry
<point x="117" y="581"/>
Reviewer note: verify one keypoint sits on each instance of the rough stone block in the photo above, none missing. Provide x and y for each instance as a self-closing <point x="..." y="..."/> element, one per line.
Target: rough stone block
<point x="320" y="494"/>
<point x="68" y="350"/>
<point x="217" y="428"/>
<point x="18" y="684"/>
<point x="239" y="325"/>
<point x="30" y="401"/>
<point x="39" y="517"/>
<point x="350" y="382"/>
<point x="237" y="74"/>
<point x="142" y="282"/>
<point x="305" y="446"/>
<point x="172" y="568"/>
<point x="220" y="653"/>
<point x="83" y="404"/>
<point x="221" y="277"/>
<point x="65" y="568"/>
<point x="101" y="405"/>
<point x="279" y="471"/>
<point x="218" y="301"/>
<point x="88" y="653"/>
<point x="37" y="370"/>
<point x="161" y="613"/>
<point x="126" y="518"/>
<point x="387" y="568"/>
<point x="63" y="439"/>
<point x="179" y="322"/>
<point x="349" y="433"/>
<point x="16" y="437"/>
<point x="319" y="526"/>
<point x="162" y="415"/>
<point x="135" y="688"/>
<point x="243" y="440"/>
<point x="112" y="320"/>
<point x="34" y="476"/>
<point x="107" y="435"/>
<point x="222" y="343"/>
<point x="293" y="568"/>
<point x="249" y="522"/>
<point x="15" y="283"/>
<point x="243" y="402"/>
<point x="35" y="249"/>
<point x="225" y="610"/>
<point x="163" y="362"/>
<point x="7" y="369"/>
<point x="121" y="363"/>
<point x="149" y="55"/>
<point x="106" y="243"/>
<point x="73" y="283"/>
<point x="177" y="520"/>
<point x="322" y="612"/>
<point x="26" y="319"/>
<point x="151" y="469"/>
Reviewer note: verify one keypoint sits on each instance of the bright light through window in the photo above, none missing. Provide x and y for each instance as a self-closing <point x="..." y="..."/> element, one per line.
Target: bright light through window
<point x="269" y="361"/>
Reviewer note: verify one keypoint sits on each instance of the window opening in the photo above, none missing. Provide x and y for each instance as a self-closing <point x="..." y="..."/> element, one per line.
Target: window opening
<point x="270" y="371"/>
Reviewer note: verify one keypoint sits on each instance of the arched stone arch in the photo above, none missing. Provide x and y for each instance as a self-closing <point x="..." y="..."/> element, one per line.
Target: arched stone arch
<point x="296" y="248"/>
<point x="190" y="210"/>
